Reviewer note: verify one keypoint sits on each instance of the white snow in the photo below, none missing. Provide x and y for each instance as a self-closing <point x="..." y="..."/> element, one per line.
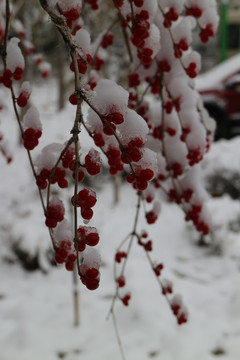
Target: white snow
<point x="32" y="119"/>
<point x="215" y="77"/>
<point x="14" y="55"/>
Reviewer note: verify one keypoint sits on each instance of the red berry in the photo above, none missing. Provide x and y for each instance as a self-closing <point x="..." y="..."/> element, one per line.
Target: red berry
<point x="121" y="281"/>
<point x="86" y="213"/>
<point x="126" y="299"/>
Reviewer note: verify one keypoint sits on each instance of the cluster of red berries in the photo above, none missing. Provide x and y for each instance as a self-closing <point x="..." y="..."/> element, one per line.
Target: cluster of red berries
<point x="140" y="30"/>
<point x="194" y="156"/>
<point x="146" y="245"/>
<point x="194" y="11"/>
<point x="133" y="80"/>
<point x="138" y="3"/>
<point x="176" y="169"/>
<point x="125" y="299"/>
<point x="113" y="119"/>
<point x="151" y="217"/>
<point x="68" y="157"/>
<point x="30" y="138"/>
<point x="121" y="281"/>
<point x="23" y="98"/>
<point x="166" y="287"/>
<point x="119" y="3"/>
<point x="68" y="162"/>
<point x="170" y="16"/>
<point x="93" y="4"/>
<point x="87" y="235"/>
<point x="6" y="78"/>
<point x="185" y="132"/>
<point x="97" y="63"/>
<point x="181" y="46"/>
<point x="71" y="15"/>
<point x="132" y="151"/>
<point x="89" y="276"/>
<point x="158" y="268"/>
<point x="191" y="70"/>
<point x="140" y="179"/>
<point x="114" y="160"/>
<point x="107" y="40"/>
<point x="55" y="213"/>
<point x="145" y="56"/>
<point x="64" y="254"/>
<point x="194" y="214"/>
<point x="59" y="177"/>
<point x="179" y="310"/>
<point x="120" y="255"/>
<point x="93" y="162"/>
<point x="206" y="33"/>
<point x="98" y="139"/>
<point x="82" y="64"/>
<point x="86" y="199"/>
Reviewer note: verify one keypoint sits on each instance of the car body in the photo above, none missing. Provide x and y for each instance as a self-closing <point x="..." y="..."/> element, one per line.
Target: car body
<point x="220" y="91"/>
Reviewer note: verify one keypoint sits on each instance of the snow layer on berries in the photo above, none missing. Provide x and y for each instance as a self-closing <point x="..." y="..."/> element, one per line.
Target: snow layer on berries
<point x="45" y="68"/>
<point x="32" y="119"/>
<point x="150" y="7"/>
<point x="148" y="161"/>
<point x="48" y="157"/>
<point x="183" y="29"/>
<point x="153" y="41"/>
<point x="15" y="57"/>
<point x="94" y="124"/>
<point x="19" y="28"/>
<point x="83" y="41"/>
<point x="176" y="151"/>
<point x="92" y="258"/>
<point x="25" y="88"/>
<point x="200" y="4"/>
<point x="70" y="4"/>
<point x="133" y="126"/>
<point x="176" y="4"/>
<point x="63" y="230"/>
<point x="56" y="202"/>
<point x="192" y="56"/>
<point x="209" y="16"/>
<point x="110" y="97"/>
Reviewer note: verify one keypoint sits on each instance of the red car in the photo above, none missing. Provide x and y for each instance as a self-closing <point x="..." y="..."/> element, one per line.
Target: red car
<point x="220" y="90"/>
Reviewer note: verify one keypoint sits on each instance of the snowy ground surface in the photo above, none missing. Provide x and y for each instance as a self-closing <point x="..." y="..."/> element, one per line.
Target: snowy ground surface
<point x="36" y="308"/>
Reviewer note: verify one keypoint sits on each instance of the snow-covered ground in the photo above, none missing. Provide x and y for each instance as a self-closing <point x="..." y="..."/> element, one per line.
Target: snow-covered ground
<point x="36" y="308"/>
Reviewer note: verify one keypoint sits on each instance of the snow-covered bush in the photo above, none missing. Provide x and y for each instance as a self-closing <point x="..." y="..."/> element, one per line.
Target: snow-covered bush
<point x="153" y="126"/>
<point x="221" y="173"/>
